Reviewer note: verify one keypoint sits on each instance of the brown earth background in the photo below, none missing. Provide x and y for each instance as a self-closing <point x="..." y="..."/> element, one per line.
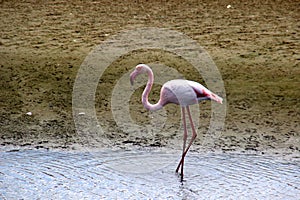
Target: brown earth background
<point x="255" y="44"/>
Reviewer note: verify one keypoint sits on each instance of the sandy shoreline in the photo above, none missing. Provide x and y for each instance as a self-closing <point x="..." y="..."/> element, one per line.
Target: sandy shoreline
<point x="254" y="44"/>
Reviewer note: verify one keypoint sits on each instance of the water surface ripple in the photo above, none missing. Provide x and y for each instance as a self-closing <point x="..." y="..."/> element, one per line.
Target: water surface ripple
<point x="41" y="174"/>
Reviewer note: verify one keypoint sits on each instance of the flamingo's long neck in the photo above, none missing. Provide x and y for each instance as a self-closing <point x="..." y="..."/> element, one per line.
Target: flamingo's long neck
<point x="146" y="92"/>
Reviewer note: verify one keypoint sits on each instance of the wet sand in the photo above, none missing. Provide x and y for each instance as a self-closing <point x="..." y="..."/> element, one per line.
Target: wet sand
<point x="254" y="44"/>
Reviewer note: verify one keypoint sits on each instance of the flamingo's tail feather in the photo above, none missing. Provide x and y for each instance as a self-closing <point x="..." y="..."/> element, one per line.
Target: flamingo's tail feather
<point x="216" y="98"/>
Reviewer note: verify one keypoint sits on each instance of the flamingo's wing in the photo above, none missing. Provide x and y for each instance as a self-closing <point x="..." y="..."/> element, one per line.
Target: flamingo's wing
<point x="203" y="93"/>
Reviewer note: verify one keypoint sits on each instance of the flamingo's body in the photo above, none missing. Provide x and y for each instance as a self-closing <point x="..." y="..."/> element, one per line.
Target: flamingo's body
<point x="179" y="91"/>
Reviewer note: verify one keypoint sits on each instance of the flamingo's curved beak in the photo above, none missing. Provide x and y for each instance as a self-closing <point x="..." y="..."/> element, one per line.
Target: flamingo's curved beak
<point x="132" y="76"/>
<point x="139" y="69"/>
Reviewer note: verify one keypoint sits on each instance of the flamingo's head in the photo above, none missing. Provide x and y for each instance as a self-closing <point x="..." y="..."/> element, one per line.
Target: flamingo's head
<point x="139" y="69"/>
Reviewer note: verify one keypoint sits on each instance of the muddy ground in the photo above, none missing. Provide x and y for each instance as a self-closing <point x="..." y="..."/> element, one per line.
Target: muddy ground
<point x="255" y="44"/>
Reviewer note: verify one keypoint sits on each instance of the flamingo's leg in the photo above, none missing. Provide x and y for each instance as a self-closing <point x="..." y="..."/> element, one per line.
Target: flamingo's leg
<point x="184" y="143"/>
<point x="192" y="139"/>
<point x="193" y="130"/>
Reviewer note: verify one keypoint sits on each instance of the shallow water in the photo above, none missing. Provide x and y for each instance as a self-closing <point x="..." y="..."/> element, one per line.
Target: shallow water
<point x="40" y="174"/>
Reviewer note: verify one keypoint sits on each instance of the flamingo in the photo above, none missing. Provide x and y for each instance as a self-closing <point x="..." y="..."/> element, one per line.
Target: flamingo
<point x="181" y="92"/>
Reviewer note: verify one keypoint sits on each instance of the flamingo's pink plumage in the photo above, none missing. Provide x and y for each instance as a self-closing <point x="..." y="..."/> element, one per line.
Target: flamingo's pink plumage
<point x="179" y="91"/>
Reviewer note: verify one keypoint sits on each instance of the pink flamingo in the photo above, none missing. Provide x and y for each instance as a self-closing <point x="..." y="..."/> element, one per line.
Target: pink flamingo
<point x="180" y="92"/>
